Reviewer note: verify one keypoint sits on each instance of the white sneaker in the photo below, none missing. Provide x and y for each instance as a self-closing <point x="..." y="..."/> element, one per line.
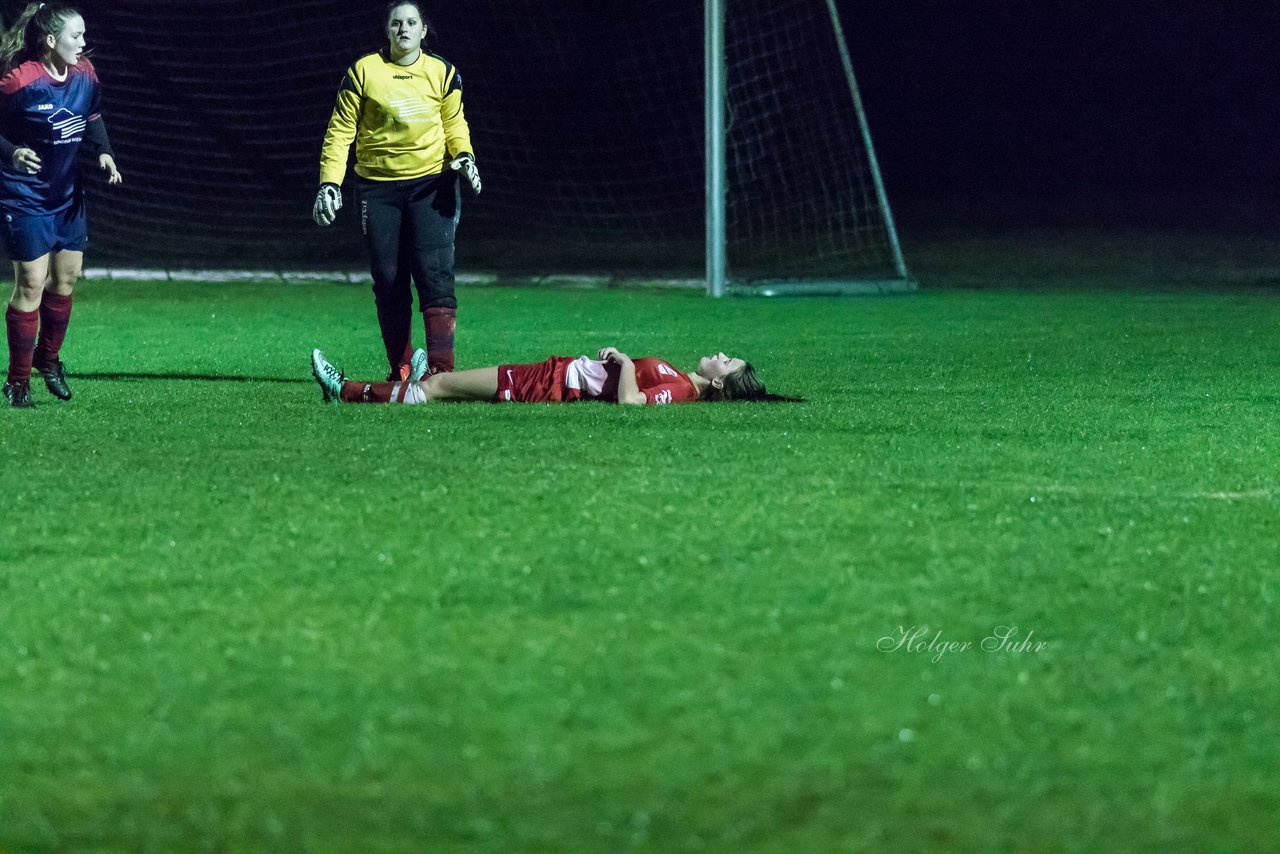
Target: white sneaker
<point x="329" y="377"/>
<point x="417" y="366"/>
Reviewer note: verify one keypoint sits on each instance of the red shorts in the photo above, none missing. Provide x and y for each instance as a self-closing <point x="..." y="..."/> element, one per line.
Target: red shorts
<point x="539" y="383"/>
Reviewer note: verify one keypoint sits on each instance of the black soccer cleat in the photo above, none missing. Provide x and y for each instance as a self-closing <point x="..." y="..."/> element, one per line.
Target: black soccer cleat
<point x="55" y="379"/>
<point x="18" y="394"/>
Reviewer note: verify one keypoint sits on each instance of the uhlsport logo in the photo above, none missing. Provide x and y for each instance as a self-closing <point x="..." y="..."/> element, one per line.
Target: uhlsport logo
<point x="67" y="126"/>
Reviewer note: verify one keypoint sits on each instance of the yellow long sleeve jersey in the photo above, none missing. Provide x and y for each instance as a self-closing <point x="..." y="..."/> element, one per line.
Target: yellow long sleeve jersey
<point x="406" y="120"/>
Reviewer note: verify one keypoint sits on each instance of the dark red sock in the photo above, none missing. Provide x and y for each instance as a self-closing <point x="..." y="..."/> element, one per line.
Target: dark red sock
<point x="22" y="327"/>
<point x="440" y="324"/>
<point x="354" y="392"/>
<point x="55" y="314"/>
<point x="395" y="323"/>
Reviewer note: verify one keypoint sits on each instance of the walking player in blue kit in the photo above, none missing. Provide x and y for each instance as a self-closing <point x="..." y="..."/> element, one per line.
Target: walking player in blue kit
<point x="49" y="105"/>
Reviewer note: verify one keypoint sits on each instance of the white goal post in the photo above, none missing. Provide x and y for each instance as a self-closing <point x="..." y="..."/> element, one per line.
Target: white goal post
<point x="719" y="282"/>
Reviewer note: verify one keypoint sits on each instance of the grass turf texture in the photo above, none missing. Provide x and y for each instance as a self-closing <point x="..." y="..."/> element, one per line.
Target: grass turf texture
<point x="232" y="618"/>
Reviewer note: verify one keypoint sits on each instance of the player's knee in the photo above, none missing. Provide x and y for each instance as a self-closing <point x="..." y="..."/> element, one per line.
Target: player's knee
<point x="31" y="282"/>
<point x="437" y="288"/>
<point x="66" y="278"/>
<point x="28" y="285"/>
<point x="388" y="292"/>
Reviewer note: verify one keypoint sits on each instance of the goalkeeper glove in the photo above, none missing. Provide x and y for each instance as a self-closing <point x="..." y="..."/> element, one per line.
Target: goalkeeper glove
<point x="466" y="164"/>
<point x="328" y="203"/>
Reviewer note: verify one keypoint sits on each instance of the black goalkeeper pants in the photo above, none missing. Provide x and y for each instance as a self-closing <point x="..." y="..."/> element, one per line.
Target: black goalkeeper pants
<point x="409" y="227"/>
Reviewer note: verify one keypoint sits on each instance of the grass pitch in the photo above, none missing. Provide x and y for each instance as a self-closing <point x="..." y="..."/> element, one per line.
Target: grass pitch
<point x="232" y="618"/>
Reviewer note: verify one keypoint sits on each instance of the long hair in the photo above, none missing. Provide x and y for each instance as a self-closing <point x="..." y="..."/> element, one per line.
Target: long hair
<point x="25" y="39"/>
<point x="743" y="384"/>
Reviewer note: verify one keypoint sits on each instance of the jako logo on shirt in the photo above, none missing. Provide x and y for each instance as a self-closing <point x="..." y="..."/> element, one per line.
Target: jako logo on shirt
<point x="67" y="126"/>
<point x="664" y="368"/>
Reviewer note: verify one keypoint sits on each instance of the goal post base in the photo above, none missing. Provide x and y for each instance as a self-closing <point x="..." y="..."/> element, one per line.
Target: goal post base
<point x="551" y="281"/>
<point x="821" y="287"/>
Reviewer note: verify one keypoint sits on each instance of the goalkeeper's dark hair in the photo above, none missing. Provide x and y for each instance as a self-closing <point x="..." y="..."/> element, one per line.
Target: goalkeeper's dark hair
<point x="744" y="385"/>
<point x="25" y="39"/>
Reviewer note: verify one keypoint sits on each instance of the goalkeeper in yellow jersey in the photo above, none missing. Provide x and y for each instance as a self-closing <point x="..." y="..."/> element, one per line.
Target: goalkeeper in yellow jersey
<point x="403" y="109"/>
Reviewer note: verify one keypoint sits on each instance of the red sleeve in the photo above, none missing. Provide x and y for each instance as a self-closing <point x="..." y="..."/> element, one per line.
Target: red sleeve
<point x="662" y="383"/>
<point x="85" y="66"/>
<point x="95" y="106"/>
<point x="20" y="77"/>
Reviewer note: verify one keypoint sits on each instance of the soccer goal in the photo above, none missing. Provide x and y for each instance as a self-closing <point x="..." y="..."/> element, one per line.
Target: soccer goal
<point x="813" y="217"/>
<point x="618" y="141"/>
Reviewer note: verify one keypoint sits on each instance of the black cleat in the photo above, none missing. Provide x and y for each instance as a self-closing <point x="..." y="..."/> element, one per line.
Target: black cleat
<point x="18" y="394"/>
<point x="55" y="379"/>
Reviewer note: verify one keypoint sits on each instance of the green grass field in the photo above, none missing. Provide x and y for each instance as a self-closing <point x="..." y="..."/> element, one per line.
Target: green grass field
<point x="235" y="619"/>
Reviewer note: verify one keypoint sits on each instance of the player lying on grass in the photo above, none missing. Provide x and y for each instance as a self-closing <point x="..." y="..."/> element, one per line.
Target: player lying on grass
<point x="613" y="377"/>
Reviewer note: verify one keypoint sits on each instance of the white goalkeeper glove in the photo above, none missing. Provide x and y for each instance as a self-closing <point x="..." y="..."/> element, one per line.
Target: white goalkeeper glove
<point x="466" y="164"/>
<point x="328" y="203"/>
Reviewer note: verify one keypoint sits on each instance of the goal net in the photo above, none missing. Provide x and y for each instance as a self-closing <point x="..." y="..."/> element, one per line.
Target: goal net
<point x="587" y="118"/>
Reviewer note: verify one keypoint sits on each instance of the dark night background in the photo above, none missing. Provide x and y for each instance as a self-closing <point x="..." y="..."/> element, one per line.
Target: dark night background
<point x="989" y="117"/>
<point x="1138" y="113"/>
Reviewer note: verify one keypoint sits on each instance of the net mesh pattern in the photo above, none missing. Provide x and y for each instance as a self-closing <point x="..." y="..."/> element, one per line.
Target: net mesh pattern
<point x="586" y="117"/>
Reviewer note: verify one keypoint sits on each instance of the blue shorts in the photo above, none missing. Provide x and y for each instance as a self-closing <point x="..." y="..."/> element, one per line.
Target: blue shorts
<point x="29" y="236"/>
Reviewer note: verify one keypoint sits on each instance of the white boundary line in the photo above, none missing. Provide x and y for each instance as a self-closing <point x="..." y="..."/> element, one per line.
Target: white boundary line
<point x="361" y="277"/>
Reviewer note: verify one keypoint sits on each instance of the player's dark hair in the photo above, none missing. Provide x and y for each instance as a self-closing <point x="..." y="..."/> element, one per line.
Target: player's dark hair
<point x="743" y="384"/>
<point x="25" y="39"/>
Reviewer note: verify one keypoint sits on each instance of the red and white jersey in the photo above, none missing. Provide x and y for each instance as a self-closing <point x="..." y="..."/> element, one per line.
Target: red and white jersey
<point x="662" y="383"/>
<point x="563" y="379"/>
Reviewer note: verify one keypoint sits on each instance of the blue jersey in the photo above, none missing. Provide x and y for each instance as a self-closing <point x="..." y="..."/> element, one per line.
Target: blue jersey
<point x="49" y="117"/>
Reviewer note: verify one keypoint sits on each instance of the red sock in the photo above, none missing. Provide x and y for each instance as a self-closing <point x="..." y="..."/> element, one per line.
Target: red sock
<point x="354" y="392"/>
<point x="440" y="324"/>
<point x="22" y="327"/>
<point x="55" y="314"/>
<point x="395" y="323"/>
